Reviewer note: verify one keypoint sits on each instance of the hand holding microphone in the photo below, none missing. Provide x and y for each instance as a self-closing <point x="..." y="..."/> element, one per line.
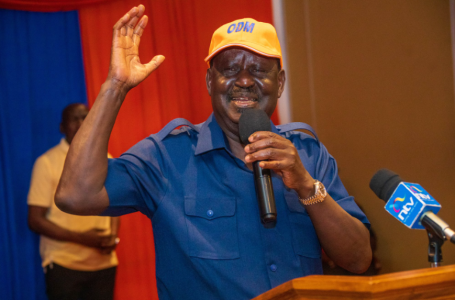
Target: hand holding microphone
<point x="270" y="151"/>
<point x="251" y="121"/>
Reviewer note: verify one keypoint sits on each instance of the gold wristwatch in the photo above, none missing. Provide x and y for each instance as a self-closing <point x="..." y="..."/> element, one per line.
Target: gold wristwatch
<point x="319" y="194"/>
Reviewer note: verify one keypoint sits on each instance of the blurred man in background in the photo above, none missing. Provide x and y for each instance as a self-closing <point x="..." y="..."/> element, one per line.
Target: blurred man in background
<point x="77" y="252"/>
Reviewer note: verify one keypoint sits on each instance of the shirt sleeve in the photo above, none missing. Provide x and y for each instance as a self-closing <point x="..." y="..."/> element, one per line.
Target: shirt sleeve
<point x="136" y="181"/>
<point x="327" y="173"/>
<point x="42" y="186"/>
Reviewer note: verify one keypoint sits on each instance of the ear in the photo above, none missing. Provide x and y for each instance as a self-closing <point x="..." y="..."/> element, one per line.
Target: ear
<point x="208" y="80"/>
<point x="281" y="82"/>
<point x="62" y="130"/>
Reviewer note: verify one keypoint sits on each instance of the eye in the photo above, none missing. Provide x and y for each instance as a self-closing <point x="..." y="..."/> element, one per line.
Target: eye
<point x="259" y="72"/>
<point x="230" y="70"/>
<point x="259" y="69"/>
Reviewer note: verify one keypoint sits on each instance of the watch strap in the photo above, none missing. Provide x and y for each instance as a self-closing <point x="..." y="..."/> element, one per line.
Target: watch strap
<point x="319" y="195"/>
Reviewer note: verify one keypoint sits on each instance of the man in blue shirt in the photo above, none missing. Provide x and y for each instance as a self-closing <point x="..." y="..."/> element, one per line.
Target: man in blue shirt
<point x="196" y="184"/>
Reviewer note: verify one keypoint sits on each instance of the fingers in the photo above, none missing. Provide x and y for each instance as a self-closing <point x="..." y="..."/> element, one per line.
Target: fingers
<point x="266" y="139"/>
<point x="154" y="64"/>
<point x="277" y="158"/>
<point x="135" y="15"/>
<point x="139" y="30"/>
<point x="104" y="241"/>
<point x="126" y="25"/>
<point x="107" y="243"/>
<point x="259" y="135"/>
<point x="122" y="22"/>
<point x="274" y="151"/>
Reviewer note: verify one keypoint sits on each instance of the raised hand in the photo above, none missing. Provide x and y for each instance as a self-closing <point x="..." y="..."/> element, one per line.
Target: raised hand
<point x="280" y="155"/>
<point x="126" y="69"/>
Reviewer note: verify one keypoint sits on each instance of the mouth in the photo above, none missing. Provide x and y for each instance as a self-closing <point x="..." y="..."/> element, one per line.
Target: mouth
<point x="244" y="101"/>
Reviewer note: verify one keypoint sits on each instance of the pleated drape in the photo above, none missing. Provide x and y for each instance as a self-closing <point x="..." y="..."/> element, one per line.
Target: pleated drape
<point x="41" y="71"/>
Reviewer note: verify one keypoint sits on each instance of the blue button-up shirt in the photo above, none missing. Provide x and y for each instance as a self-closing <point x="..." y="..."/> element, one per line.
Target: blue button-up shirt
<point x="209" y="240"/>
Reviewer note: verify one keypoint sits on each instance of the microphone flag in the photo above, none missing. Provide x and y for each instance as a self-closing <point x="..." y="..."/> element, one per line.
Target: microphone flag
<point x="409" y="202"/>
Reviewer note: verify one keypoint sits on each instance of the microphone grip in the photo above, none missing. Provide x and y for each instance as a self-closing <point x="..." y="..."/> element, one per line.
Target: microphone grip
<point x="265" y="196"/>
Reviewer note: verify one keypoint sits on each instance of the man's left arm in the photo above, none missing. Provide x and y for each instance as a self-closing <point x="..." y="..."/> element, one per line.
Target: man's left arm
<point x="344" y="238"/>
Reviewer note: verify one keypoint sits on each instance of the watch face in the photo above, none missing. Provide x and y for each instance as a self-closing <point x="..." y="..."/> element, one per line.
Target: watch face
<point x="324" y="192"/>
<point x="320" y="189"/>
<point x="319" y="194"/>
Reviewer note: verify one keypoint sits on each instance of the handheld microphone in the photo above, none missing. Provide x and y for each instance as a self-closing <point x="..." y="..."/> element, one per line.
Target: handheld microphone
<point x="410" y="204"/>
<point x="250" y="121"/>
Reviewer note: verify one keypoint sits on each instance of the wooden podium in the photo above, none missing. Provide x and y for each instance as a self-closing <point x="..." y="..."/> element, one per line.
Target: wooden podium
<point x="431" y="283"/>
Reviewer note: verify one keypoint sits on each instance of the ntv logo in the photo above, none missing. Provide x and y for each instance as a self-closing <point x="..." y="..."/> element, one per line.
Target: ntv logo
<point x="405" y="209"/>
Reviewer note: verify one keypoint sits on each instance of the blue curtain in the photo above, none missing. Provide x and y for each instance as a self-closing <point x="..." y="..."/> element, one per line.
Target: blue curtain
<point x="41" y="71"/>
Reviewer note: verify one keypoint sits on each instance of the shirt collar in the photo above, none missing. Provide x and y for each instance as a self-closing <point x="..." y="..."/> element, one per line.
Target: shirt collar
<point x="212" y="137"/>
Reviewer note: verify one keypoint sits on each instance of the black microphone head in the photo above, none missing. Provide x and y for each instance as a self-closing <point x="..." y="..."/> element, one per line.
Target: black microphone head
<point x="253" y="120"/>
<point x="384" y="183"/>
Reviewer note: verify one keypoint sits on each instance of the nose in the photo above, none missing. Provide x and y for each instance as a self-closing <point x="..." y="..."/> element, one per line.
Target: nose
<point x="244" y="79"/>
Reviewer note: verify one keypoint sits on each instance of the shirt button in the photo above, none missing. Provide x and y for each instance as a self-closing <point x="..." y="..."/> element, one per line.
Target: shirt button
<point x="210" y="213"/>
<point x="273" y="267"/>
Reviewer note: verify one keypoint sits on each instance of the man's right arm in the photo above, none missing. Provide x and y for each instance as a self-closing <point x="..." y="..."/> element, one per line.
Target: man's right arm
<point x="81" y="188"/>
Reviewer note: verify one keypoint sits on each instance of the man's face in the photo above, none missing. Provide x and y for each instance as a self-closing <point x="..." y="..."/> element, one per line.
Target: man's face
<point x="72" y="121"/>
<point x="240" y="79"/>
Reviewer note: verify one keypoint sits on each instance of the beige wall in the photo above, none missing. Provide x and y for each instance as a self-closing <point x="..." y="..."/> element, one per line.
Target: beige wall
<point x="375" y="78"/>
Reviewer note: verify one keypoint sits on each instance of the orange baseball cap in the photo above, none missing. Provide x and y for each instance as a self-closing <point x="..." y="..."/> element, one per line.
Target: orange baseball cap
<point x="247" y="33"/>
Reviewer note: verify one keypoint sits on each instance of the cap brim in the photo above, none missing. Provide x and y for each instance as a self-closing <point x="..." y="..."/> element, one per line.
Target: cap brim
<point x="251" y="48"/>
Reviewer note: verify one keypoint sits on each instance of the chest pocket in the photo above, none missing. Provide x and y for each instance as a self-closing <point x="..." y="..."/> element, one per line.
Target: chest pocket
<point x="212" y="227"/>
<point x="305" y="240"/>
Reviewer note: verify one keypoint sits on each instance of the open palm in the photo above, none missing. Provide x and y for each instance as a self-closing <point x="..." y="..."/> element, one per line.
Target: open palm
<point x="126" y="68"/>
